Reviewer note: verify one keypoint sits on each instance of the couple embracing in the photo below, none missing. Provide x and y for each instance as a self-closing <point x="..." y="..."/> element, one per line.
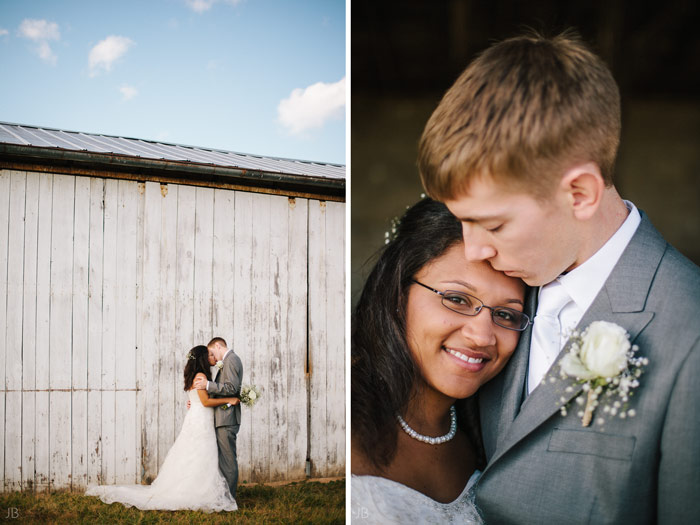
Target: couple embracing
<point x="200" y="471"/>
<point x="526" y="348"/>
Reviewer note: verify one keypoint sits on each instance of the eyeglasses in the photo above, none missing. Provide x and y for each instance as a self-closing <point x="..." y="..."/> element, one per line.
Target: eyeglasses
<point x="466" y="304"/>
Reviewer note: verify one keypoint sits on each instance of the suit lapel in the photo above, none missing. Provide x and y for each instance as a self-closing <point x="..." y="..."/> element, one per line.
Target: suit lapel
<point x="622" y="301"/>
<point x="504" y="394"/>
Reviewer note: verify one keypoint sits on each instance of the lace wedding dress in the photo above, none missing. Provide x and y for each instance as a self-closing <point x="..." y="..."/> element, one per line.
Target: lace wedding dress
<point x="189" y="477"/>
<point x="380" y="500"/>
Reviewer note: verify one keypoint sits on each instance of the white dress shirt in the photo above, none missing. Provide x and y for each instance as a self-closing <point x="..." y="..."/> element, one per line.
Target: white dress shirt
<point x="584" y="282"/>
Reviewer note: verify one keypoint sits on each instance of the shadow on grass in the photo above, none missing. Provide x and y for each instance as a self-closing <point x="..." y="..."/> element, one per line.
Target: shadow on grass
<point x="301" y="502"/>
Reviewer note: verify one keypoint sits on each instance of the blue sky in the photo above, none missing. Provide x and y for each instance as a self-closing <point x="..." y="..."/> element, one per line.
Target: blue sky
<point x="254" y="76"/>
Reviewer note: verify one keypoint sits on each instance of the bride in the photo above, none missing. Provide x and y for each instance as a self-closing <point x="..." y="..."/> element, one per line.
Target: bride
<point x="423" y="338"/>
<point x="189" y="477"/>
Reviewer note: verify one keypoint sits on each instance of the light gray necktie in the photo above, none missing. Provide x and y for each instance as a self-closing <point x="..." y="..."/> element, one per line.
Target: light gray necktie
<point x="547" y="337"/>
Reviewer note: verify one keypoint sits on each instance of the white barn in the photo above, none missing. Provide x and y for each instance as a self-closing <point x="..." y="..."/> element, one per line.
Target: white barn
<point x="117" y="255"/>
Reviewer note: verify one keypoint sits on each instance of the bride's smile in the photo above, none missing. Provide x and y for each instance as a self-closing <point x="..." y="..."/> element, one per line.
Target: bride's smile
<point x="468" y="357"/>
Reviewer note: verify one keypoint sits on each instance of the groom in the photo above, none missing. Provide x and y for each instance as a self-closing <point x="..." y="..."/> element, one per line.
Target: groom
<point x="521" y="149"/>
<point x="227" y="418"/>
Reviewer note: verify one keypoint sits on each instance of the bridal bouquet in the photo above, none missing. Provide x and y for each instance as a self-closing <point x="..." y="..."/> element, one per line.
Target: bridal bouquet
<point x="249" y="395"/>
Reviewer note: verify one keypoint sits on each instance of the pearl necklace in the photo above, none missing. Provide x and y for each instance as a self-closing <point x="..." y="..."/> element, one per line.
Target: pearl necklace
<point x="432" y="440"/>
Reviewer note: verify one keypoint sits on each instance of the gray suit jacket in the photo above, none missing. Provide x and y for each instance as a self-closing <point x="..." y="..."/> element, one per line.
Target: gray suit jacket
<point x="228" y="384"/>
<point x="547" y="468"/>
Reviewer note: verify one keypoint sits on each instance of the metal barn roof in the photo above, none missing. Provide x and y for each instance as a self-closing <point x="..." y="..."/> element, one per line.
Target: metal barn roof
<point x="70" y="148"/>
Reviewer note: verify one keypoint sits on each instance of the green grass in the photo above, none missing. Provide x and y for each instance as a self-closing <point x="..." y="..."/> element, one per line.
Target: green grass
<point x="302" y="502"/>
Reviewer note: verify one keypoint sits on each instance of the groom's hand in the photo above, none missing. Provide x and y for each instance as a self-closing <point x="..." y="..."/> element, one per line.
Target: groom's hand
<point x="200" y="383"/>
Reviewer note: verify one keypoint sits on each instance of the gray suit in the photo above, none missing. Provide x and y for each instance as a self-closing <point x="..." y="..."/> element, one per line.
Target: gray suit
<point x="227" y="420"/>
<point x="546" y="468"/>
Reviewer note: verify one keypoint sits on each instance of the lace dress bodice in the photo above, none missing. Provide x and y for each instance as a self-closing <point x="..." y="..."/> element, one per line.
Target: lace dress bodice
<point x="189" y="478"/>
<point x="377" y="500"/>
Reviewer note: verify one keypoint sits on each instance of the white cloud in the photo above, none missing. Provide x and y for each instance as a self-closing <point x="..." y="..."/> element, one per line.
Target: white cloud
<point x="40" y="31"/>
<point x="3" y="32"/>
<point x="311" y="107"/>
<point x="105" y="52"/>
<point x="45" y="52"/>
<point x="128" y="92"/>
<point x="199" y="6"/>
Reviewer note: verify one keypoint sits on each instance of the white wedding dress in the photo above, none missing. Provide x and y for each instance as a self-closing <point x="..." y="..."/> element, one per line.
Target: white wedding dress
<point x="378" y="500"/>
<point x="189" y="477"/>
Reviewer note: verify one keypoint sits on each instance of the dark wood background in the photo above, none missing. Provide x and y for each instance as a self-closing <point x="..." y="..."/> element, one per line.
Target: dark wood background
<point x="404" y="55"/>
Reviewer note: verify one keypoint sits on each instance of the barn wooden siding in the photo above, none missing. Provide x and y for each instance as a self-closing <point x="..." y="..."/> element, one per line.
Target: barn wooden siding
<point x="105" y="285"/>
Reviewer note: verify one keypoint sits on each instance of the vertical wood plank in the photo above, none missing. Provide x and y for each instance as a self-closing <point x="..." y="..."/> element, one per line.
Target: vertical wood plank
<point x="185" y="294"/>
<point x="138" y="330"/>
<point x="109" y="329"/>
<point x="242" y="313"/>
<point x="223" y="270"/>
<point x="150" y="330"/>
<point x="79" y="409"/>
<point x="335" y="386"/>
<point x="60" y="329"/>
<point x="296" y="338"/>
<point x="277" y="394"/>
<point x="29" y="364"/>
<point x="125" y="341"/>
<point x="168" y="321"/>
<point x="203" y="260"/>
<point x="43" y="341"/>
<point x="94" y="356"/>
<point x="260" y="351"/>
<point x="13" y="333"/>
<point x="59" y="439"/>
<point x="5" y="176"/>
<point x="318" y="293"/>
<point x="125" y="437"/>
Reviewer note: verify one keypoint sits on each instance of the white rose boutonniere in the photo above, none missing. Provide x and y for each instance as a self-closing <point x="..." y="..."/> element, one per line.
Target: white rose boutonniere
<point x="602" y="358"/>
<point x="219" y="365"/>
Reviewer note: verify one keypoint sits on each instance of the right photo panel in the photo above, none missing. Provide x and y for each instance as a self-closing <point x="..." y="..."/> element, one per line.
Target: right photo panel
<point x="525" y="238"/>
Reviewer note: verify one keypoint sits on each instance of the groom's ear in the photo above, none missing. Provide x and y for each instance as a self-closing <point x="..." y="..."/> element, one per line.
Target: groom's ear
<point x="583" y="187"/>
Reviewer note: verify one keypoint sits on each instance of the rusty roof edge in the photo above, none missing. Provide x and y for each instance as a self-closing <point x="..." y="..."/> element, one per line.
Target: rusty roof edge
<point x="112" y="160"/>
<point x="175" y="144"/>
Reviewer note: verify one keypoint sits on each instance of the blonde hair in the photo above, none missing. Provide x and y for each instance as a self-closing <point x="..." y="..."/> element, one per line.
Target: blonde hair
<point x="219" y="340"/>
<point x="522" y="112"/>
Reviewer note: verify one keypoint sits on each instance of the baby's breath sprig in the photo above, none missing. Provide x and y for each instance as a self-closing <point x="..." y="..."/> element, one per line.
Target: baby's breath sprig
<point x="391" y="234"/>
<point x="395" y="223"/>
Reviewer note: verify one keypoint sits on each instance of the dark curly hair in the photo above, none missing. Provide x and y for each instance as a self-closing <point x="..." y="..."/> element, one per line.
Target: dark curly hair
<point x="383" y="372"/>
<point x="197" y="361"/>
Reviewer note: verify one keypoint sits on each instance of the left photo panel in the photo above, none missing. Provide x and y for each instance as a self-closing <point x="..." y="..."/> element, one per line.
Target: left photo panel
<point x="172" y="261"/>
